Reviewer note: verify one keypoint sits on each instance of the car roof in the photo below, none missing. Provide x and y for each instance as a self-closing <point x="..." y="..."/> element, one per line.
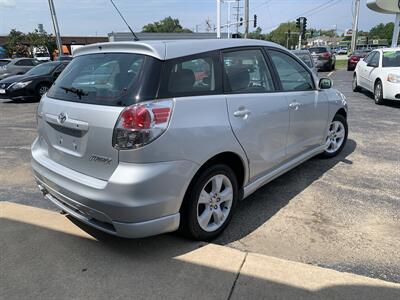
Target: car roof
<point x="164" y="50"/>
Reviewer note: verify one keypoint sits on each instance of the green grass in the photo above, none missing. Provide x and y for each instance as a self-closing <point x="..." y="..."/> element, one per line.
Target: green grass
<point x="341" y="64"/>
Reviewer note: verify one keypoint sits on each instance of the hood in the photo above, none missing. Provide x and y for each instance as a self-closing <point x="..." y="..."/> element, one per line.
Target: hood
<point x="14" y="78"/>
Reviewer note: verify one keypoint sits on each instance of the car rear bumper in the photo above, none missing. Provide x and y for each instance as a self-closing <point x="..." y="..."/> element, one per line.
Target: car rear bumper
<point x="138" y="200"/>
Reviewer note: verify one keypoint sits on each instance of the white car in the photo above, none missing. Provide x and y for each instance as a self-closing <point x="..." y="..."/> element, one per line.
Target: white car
<point x="379" y="72"/>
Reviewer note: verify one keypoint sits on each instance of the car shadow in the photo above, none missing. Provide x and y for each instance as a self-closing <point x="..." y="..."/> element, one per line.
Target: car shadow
<point x="390" y="103"/>
<point x="9" y="101"/>
<point x="261" y="206"/>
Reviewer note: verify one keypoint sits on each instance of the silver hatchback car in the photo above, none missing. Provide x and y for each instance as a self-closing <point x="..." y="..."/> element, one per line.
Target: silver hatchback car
<point x="142" y="138"/>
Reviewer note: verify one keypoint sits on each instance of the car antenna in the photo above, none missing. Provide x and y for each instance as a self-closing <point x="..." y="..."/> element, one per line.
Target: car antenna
<point x="134" y="35"/>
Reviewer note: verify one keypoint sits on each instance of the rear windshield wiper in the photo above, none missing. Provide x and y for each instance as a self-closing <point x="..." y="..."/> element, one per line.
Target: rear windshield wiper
<point x="78" y="92"/>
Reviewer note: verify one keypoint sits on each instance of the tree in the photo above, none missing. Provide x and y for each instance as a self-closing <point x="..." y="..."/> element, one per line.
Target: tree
<point x="16" y="43"/>
<point x="19" y="43"/>
<point x="166" y="25"/>
<point x="382" y="31"/>
<point x="257" y="34"/>
<point x="280" y="36"/>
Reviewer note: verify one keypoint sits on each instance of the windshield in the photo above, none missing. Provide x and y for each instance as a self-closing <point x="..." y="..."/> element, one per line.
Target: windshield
<point x="4" y="62"/>
<point x="104" y="79"/>
<point x="391" y="59"/>
<point x="42" y="69"/>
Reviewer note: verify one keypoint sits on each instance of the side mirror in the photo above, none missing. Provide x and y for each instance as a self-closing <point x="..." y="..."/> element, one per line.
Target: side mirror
<point x="372" y="65"/>
<point x="325" y="83"/>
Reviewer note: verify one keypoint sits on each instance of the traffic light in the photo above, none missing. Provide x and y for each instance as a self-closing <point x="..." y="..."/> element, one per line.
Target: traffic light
<point x="304" y="25"/>
<point x="312" y="33"/>
<point x="255" y="21"/>
<point x="298" y="23"/>
<point x="241" y="22"/>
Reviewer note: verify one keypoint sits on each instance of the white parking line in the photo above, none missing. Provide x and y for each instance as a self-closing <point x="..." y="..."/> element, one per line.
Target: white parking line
<point x="329" y="75"/>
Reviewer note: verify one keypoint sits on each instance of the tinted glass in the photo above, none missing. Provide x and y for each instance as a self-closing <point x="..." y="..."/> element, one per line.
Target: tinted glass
<point x="247" y="72"/>
<point x="42" y="69"/>
<point x="191" y="76"/>
<point x="107" y="79"/>
<point x="293" y="76"/>
<point x="375" y="59"/>
<point x="24" y="62"/>
<point x="305" y="57"/>
<point x="4" y="62"/>
<point x="391" y="59"/>
<point x="368" y="58"/>
<point x="318" y="50"/>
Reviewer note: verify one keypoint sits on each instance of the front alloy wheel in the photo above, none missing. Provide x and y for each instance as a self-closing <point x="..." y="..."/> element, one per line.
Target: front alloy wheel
<point x="378" y="93"/>
<point x="336" y="137"/>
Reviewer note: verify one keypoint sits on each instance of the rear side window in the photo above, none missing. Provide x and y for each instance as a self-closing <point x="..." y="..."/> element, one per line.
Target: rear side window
<point x="293" y="76"/>
<point x="108" y="79"/>
<point x="24" y="62"/>
<point x="191" y="76"/>
<point x="4" y="62"/>
<point x="246" y="72"/>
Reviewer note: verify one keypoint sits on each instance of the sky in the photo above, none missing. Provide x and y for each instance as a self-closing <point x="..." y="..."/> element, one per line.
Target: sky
<point x="98" y="17"/>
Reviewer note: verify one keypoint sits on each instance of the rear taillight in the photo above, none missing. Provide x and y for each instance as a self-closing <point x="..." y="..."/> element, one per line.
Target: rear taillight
<point x="140" y="124"/>
<point x="326" y="54"/>
<point x="354" y="58"/>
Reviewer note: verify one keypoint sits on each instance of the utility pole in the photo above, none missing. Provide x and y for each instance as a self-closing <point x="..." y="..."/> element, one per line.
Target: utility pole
<point x="246" y="18"/>
<point x="395" y="38"/>
<point x="218" y="19"/>
<point x="356" y="13"/>
<point x="56" y="29"/>
<point x="237" y="15"/>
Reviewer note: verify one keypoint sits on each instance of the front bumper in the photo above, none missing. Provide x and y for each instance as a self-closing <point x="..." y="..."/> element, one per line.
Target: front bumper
<point x="138" y="200"/>
<point x="391" y="91"/>
<point x="20" y="94"/>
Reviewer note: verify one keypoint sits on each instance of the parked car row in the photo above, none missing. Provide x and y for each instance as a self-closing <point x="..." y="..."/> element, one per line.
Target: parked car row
<point x="33" y="84"/>
<point x="16" y="66"/>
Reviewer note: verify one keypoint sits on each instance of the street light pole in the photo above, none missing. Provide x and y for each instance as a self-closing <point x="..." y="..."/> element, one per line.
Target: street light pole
<point x="355" y="25"/>
<point x="246" y="18"/>
<point x="395" y="38"/>
<point x="56" y="29"/>
<point x="218" y="19"/>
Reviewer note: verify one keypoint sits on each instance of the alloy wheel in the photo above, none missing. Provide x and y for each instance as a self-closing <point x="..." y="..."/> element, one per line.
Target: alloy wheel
<point x="335" y="138"/>
<point x="214" y="203"/>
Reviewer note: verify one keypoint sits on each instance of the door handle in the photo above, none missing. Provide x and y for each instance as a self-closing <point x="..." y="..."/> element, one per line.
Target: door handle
<point x="295" y="105"/>
<point x="242" y="113"/>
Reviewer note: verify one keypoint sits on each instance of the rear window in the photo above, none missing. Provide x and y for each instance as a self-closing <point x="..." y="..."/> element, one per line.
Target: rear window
<point x="318" y="50"/>
<point x="391" y="59"/>
<point x="116" y="79"/>
<point x="4" y="62"/>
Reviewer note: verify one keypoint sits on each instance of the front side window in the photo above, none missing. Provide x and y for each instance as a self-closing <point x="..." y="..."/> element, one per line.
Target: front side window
<point x="195" y="75"/>
<point x="391" y="59"/>
<point x="105" y="79"/>
<point x="375" y="59"/>
<point x="293" y="76"/>
<point x="246" y="72"/>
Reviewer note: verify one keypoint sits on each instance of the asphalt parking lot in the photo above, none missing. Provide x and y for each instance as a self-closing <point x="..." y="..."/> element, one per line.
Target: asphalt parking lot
<point x="342" y="213"/>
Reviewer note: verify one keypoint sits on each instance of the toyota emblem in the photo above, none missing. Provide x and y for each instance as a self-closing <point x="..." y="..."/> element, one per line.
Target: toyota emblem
<point x="62" y="118"/>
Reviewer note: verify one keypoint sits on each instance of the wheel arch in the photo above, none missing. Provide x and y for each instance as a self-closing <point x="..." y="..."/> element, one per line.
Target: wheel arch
<point x="342" y="112"/>
<point x="232" y="160"/>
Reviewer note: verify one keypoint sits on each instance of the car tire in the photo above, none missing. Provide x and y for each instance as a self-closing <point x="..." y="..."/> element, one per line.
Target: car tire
<point x="41" y="89"/>
<point x="355" y="86"/>
<point x="378" y="93"/>
<point x="336" y="137"/>
<point x="204" y="213"/>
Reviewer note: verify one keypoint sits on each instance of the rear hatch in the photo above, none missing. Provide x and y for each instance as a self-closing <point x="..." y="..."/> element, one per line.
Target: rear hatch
<point x="319" y="53"/>
<point x="79" y="113"/>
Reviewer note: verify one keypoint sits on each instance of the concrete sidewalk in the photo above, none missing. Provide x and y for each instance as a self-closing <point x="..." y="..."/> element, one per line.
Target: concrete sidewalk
<point x="44" y="255"/>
